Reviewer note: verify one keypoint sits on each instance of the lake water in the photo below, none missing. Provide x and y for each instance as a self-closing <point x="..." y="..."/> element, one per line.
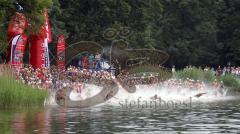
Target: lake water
<point x="207" y="117"/>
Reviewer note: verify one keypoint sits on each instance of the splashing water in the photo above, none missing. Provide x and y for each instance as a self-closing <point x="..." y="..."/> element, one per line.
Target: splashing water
<point x="88" y="91"/>
<point x="147" y="92"/>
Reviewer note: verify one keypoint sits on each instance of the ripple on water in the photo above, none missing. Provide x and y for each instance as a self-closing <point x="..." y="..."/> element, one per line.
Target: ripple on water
<point x="214" y="117"/>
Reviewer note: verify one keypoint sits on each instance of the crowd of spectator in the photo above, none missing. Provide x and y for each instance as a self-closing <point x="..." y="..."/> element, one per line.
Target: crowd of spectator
<point x="170" y="84"/>
<point x="218" y="71"/>
<point x="73" y="77"/>
<point x="224" y="70"/>
<point x="55" y="78"/>
<point x="88" y="61"/>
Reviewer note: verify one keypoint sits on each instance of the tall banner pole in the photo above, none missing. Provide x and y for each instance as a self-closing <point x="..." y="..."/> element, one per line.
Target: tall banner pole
<point x="48" y="38"/>
<point x="47" y="28"/>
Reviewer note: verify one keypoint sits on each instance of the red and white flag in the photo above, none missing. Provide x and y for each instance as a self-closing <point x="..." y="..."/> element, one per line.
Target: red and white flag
<point x="16" y="40"/>
<point x="17" y="50"/>
<point x="47" y="28"/>
<point x="61" y="52"/>
<point x="39" y="46"/>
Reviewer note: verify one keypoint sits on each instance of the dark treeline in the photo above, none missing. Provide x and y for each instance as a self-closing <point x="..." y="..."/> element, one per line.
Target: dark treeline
<point x="196" y="32"/>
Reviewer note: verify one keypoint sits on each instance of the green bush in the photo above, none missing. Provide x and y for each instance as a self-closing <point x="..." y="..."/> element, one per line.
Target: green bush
<point x="196" y="74"/>
<point x="230" y="81"/>
<point x="17" y="94"/>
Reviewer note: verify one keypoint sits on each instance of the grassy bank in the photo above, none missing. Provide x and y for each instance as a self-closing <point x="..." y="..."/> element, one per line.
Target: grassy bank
<point x="16" y="94"/>
<point x="229" y="80"/>
<point x="196" y="74"/>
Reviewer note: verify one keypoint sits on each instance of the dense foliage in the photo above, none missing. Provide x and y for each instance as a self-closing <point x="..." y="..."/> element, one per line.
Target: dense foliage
<point x="196" y="32"/>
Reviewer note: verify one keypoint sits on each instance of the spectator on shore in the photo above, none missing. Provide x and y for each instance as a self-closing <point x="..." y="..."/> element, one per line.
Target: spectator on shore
<point x="85" y="62"/>
<point x="173" y="69"/>
<point x="218" y="71"/>
<point x="98" y="60"/>
<point x="228" y="70"/>
<point x="98" y="56"/>
<point x="91" y="61"/>
<point x="213" y="71"/>
<point x="206" y="68"/>
<point x="1" y="60"/>
<point x="80" y="63"/>
<point x="224" y="71"/>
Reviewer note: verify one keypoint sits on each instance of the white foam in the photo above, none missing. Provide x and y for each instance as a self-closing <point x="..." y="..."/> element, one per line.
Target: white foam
<point x="146" y="92"/>
<point x="87" y="92"/>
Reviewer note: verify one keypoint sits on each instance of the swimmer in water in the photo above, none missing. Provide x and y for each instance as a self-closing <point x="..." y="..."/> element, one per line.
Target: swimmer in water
<point x="109" y="95"/>
<point x="79" y="87"/>
<point x="60" y="95"/>
<point x="155" y="97"/>
<point x="199" y="95"/>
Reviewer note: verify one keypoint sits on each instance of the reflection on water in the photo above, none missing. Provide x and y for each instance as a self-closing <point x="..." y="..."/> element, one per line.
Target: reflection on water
<point x="214" y="117"/>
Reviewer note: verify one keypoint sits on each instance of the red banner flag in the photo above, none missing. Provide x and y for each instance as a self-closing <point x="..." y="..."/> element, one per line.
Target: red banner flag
<point x="16" y="52"/>
<point x="37" y="51"/>
<point x="39" y="46"/>
<point x="61" y="52"/>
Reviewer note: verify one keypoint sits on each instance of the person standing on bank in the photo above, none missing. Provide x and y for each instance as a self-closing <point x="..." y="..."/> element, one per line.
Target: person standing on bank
<point x="98" y="59"/>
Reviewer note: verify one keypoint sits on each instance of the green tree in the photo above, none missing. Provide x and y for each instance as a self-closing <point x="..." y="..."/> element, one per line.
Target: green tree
<point x="87" y="19"/>
<point x="187" y="31"/>
<point x="229" y="31"/>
